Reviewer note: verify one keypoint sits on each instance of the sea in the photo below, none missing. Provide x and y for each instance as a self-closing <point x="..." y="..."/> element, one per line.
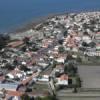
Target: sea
<point x="15" y="13"/>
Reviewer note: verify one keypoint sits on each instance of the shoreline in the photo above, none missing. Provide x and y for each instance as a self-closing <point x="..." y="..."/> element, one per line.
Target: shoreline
<point x="31" y="24"/>
<point x="35" y="21"/>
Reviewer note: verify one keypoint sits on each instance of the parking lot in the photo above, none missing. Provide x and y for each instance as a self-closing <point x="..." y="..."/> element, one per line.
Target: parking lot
<point x="90" y="76"/>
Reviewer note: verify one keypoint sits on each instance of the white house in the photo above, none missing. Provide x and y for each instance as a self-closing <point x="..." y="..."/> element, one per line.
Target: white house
<point x="86" y="39"/>
<point x="98" y="47"/>
<point x="60" y="60"/>
<point x="11" y="76"/>
<point x="44" y="78"/>
<point x="62" y="80"/>
<point x="43" y="64"/>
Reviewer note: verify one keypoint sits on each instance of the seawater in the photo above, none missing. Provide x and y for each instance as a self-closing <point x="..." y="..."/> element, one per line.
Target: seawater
<point x="14" y="13"/>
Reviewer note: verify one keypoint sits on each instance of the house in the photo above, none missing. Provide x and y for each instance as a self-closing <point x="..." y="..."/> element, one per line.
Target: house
<point x="9" y="86"/>
<point x="51" y="57"/>
<point x="98" y="47"/>
<point x="9" y="75"/>
<point x="60" y="60"/>
<point x="16" y="74"/>
<point x="1" y="95"/>
<point x="70" y="41"/>
<point x="74" y="56"/>
<point x="56" y="48"/>
<point x="86" y="39"/>
<point x="77" y="39"/>
<point x="59" y="68"/>
<point x="62" y="80"/>
<point x="97" y="36"/>
<point x="44" y="78"/>
<point x="42" y="64"/>
<point x="92" y="53"/>
<point x="46" y="42"/>
<point x="75" y="49"/>
<point x="45" y="75"/>
<point x="2" y="78"/>
<point x="14" y="98"/>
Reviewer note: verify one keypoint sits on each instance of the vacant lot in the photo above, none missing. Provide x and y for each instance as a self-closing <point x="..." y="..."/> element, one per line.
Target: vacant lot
<point x="90" y="76"/>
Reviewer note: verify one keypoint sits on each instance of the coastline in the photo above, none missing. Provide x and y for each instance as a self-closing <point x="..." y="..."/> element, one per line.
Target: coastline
<point x="31" y="24"/>
<point x="35" y="21"/>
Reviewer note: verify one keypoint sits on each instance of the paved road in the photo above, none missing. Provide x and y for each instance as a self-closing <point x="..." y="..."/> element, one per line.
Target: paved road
<point x="79" y="98"/>
<point x="90" y="76"/>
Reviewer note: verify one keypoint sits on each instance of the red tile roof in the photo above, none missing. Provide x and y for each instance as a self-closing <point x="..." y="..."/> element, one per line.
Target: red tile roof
<point x="15" y="44"/>
<point x="2" y="78"/>
<point x="14" y="93"/>
<point x="98" y="33"/>
<point x="64" y="77"/>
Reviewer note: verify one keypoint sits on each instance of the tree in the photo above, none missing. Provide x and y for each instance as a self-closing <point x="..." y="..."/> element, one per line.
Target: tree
<point x="4" y="38"/>
<point x="57" y="74"/>
<point x="32" y="98"/>
<point x="79" y="59"/>
<point x="15" y="62"/>
<point x="54" y="64"/>
<point x="24" y="68"/>
<point x="66" y="68"/>
<point x="26" y="40"/>
<point x="70" y="69"/>
<point x="35" y="48"/>
<point x="85" y="26"/>
<point x="23" y="48"/>
<point x="85" y="44"/>
<point x="69" y="57"/>
<point x="65" y="33"/>
<point x="47" y="98"/>
<point x="38" y="98"/>
<point x="61" y="49"/>
<point x="25" y="97"/>
<point x="2" y="43"/>
<point x="60" y="41"/>
<point x="92" y="44"/>
<point x="93" y="21"/>
<point x="75" y="89"/>
<point x="9" y="66"/>
<point x="78" y="81"/>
